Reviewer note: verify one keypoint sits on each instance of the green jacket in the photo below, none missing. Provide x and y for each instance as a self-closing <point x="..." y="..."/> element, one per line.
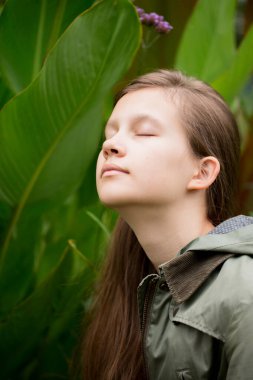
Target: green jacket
<point x="197" y="313"/>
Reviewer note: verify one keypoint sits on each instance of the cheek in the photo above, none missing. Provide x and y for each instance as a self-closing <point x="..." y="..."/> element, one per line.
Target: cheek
<point x="173" y="166"/>
<point x="181" y="168"/>
<point x="153" y="169"/>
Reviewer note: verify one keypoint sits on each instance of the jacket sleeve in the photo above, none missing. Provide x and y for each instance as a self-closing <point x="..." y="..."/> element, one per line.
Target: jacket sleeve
<point x="239" y="339"/>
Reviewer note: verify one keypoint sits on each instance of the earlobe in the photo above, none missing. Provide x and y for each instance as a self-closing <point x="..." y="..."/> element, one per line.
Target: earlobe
<point x="206" y="173"/>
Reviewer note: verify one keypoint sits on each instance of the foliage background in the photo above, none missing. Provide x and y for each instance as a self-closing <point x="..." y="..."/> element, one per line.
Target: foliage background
<point x="60" y="67"/>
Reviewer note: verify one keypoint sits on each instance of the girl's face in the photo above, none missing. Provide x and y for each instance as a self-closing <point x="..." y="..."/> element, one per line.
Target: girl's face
<point x="145" y="158"/>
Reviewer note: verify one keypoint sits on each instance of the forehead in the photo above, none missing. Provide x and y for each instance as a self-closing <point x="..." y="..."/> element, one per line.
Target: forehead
<point x="149" y="102"/>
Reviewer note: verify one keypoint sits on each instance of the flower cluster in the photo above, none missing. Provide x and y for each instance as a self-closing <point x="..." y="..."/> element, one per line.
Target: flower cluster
<point x="153" y="19"/>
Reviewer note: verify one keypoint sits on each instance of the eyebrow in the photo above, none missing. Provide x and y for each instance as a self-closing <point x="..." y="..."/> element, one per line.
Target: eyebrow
<point x="136" y="119"/>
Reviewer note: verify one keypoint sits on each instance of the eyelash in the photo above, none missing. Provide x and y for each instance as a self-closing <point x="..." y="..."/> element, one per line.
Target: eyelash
<point x="137" y="134"/>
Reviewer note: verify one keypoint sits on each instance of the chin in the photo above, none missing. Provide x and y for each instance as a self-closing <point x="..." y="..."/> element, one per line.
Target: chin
<point x="114" y="201"/>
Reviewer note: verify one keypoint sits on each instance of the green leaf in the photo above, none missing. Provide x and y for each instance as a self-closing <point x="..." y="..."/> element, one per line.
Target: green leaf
<point x="52" y="302"/>
<point x="91" y="233"/>
<point x="18" y="274"/>
<point x="231" y="82"/>
<point x="5" y="215"/>
<point x="49" y="133"/>
<point x="28" y="29"/>
<point x="78" y="288"/>
<point x="207" y="46"/>
<point x="5" y="93"/>
<point x="39" y="241"/>
<point x="96" y="220"/>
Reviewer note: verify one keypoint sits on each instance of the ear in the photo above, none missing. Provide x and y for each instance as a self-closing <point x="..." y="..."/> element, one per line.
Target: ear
<point x="205" y="174"/>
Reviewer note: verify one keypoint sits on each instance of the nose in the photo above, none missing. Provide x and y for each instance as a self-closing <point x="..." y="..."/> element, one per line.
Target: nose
<point x="112" y="148"/>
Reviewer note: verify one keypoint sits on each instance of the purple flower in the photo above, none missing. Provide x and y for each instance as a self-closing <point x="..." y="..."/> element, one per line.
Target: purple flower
<point x="140" y="11"/>
<point x="147" y="19"/>
<point x="163" y="27"/>
<point x="153" y="19"/>
<point x="156" y="19"/>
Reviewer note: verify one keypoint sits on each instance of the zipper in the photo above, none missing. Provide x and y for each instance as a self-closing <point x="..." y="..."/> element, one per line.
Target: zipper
<point x="146" y="309"/>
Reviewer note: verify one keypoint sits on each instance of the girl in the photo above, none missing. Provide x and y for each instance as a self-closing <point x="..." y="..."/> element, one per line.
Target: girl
<point x="175" y="300"/>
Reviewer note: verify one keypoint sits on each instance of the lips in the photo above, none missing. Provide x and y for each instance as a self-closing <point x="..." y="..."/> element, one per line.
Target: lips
<point x="112" y="169"/>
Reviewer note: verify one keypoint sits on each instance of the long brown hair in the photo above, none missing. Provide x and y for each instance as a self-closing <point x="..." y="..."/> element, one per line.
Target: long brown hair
<point x="111" y="349"/>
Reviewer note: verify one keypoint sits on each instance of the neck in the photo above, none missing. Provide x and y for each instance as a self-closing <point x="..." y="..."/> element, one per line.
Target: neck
<point x="162" y="232"/>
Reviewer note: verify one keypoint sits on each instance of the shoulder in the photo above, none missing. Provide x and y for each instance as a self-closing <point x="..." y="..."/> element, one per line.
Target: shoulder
<point x="222" y="300"/>
<point x="234" y="280"/>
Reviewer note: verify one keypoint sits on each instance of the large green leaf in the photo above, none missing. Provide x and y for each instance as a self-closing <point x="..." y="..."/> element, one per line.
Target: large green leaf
<point x="28" y="29"/>
<point x="49" y="133"/>
<point x="231" y="82"/>
<point x="5" y="93"/>
<point x="207" y="46"/>
<point x="49" y="307"/>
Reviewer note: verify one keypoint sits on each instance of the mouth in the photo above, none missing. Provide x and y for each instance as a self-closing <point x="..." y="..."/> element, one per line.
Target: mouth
<point x="112" y="169"/>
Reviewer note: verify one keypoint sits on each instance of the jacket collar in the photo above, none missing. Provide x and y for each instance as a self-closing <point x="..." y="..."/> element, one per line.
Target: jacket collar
<point x="188" y="271"/>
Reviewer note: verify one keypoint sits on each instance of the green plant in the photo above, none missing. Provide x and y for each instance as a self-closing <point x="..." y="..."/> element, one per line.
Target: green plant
<point x="57" y="70"/>
<point x="59" y="61"/>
